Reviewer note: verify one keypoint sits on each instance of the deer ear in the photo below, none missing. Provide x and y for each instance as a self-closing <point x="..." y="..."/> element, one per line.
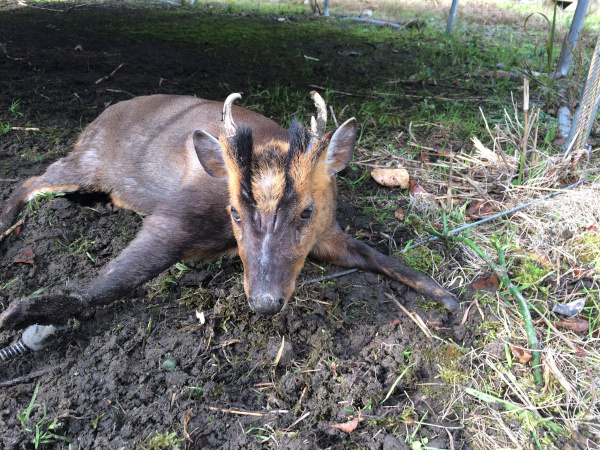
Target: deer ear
<point x="341" y="147"/>
<point x="210" y="154"/>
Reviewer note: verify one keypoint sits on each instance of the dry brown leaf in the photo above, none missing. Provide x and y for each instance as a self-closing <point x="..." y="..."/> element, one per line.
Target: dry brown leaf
<point x="25" y="256"/>
<point x="399" y="213"/>
<point x="574" y="324"/>
<point x="486" y="283"/>
<point x="391" y="177"/>
<point x="479" y="209"/>
<point x="522" y="355"/>
<point x="415" y="189"/>
<point x="394" y="322"/>
<point x="347" y="427"/>
<point x="186" y="420"/>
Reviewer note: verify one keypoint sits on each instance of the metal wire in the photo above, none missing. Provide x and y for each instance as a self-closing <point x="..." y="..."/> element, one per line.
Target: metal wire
<point x="504" y="213"/>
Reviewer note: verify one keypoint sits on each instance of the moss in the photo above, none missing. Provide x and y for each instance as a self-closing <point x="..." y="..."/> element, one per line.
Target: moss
<point x="422" y="258"/>
<point x="158" y="441"/>
<point x="586" y="248"/>
<point x="489" y="331"/>
<point x="529" y="272"/>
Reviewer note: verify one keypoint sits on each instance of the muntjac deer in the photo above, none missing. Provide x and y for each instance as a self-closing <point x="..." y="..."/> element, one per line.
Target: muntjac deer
<point x="258" y="190"/>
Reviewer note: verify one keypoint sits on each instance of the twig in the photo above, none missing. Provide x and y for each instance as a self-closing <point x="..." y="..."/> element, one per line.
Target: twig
<point x="377" y="94"/>
<point x="25" y="128"/>
<point x="25" y="378"/>
<point x="549" y="360"/>
<point x="329" y="277"/>
<point x="106" y="77"/>
<point x="304" y="416"/>
<point x="13" y="228"/>
<point x="8" y="180"/>
<point x="333" y="116"/>
<point x="233" y="411"/>
<point x="477" y="188"/>
<point x="415" y="318"/>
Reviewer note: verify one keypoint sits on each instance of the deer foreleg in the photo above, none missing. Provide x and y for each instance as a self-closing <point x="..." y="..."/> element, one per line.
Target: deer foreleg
<point x="339" y="248"/>
<point x="161" y="243"/>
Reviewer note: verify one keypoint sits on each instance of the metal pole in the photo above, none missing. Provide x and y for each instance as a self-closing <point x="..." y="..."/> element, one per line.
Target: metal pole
<point x="452" y="16"/>
<point x="326" y="8"/>
<point x="564" y="62"/>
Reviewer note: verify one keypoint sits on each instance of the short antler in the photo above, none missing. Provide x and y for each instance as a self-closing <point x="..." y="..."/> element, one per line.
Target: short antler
<point x="317" y="126"/>
<point x="229" y="124"/>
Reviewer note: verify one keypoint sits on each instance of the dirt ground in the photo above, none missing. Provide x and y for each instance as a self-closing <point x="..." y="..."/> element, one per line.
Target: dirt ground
<point x="143" y="372"/>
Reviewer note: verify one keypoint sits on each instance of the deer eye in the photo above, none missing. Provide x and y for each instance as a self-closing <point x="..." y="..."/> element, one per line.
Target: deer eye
<point x="306" y="214"/>
<point x="235" y="215"/>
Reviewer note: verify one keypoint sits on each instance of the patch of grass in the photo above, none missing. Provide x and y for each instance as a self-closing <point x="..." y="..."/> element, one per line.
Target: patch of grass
<point x="14" y="108"/>
<point x="34" y="203"/>
<point x="44" y="430"/>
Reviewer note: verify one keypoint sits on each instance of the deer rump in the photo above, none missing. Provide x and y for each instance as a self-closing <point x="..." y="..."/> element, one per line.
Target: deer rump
<point x="258" y="190"/>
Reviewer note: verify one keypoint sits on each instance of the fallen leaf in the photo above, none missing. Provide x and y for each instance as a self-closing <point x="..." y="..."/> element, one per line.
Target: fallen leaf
<point x="25" y="256"/>
<point x="574" y="324"/>
<point x="415" y="189"/>
<point x="349" y="53"/>
<point x="410" y="421"/>
<point x="394" y="322"/>
<point x="17" y="231"/>
<point x="200" y="317"/>
<point x="578" y="274"/>
<point x="486" y="283"/>
<point x="591" y="228"/>
<point x="347" y="427"/>
<point x="522" y="355"/>
<point x="480" y="209"/>
<point x="186" y="420"/>
<point x="78" y="48"/>
<point x="399" y="213"/>
<point x="457" y="82"/>
<point x="391" y="177"/>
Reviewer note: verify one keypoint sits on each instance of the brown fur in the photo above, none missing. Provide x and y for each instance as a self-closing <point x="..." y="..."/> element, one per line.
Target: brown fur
<point x="268" y="192"/>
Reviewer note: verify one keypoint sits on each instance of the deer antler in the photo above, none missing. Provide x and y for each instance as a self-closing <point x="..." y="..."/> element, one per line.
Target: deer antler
<point x="317" y="126"/>
<point x="227" y="117"/>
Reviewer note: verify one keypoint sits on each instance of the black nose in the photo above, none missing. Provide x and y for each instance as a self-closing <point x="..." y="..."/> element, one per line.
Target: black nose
<point x="266" y="304"/>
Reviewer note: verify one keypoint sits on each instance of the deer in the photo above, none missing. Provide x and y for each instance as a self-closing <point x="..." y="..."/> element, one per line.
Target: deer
<point x="213" y="179"/>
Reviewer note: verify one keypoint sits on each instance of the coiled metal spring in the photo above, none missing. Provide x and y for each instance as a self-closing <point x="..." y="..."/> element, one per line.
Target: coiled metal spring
<point x="18" y="348"/>
<point x="36" y="337"/>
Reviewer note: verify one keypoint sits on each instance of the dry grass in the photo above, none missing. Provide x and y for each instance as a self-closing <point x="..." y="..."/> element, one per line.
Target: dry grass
<point x="553" y="251"/>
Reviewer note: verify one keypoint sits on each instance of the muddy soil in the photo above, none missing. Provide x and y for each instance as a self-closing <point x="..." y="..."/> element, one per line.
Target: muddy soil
<point x="144" y="372"/>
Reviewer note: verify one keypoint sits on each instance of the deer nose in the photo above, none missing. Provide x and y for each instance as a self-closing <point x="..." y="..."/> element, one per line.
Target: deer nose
<point x="266" y="304"/>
